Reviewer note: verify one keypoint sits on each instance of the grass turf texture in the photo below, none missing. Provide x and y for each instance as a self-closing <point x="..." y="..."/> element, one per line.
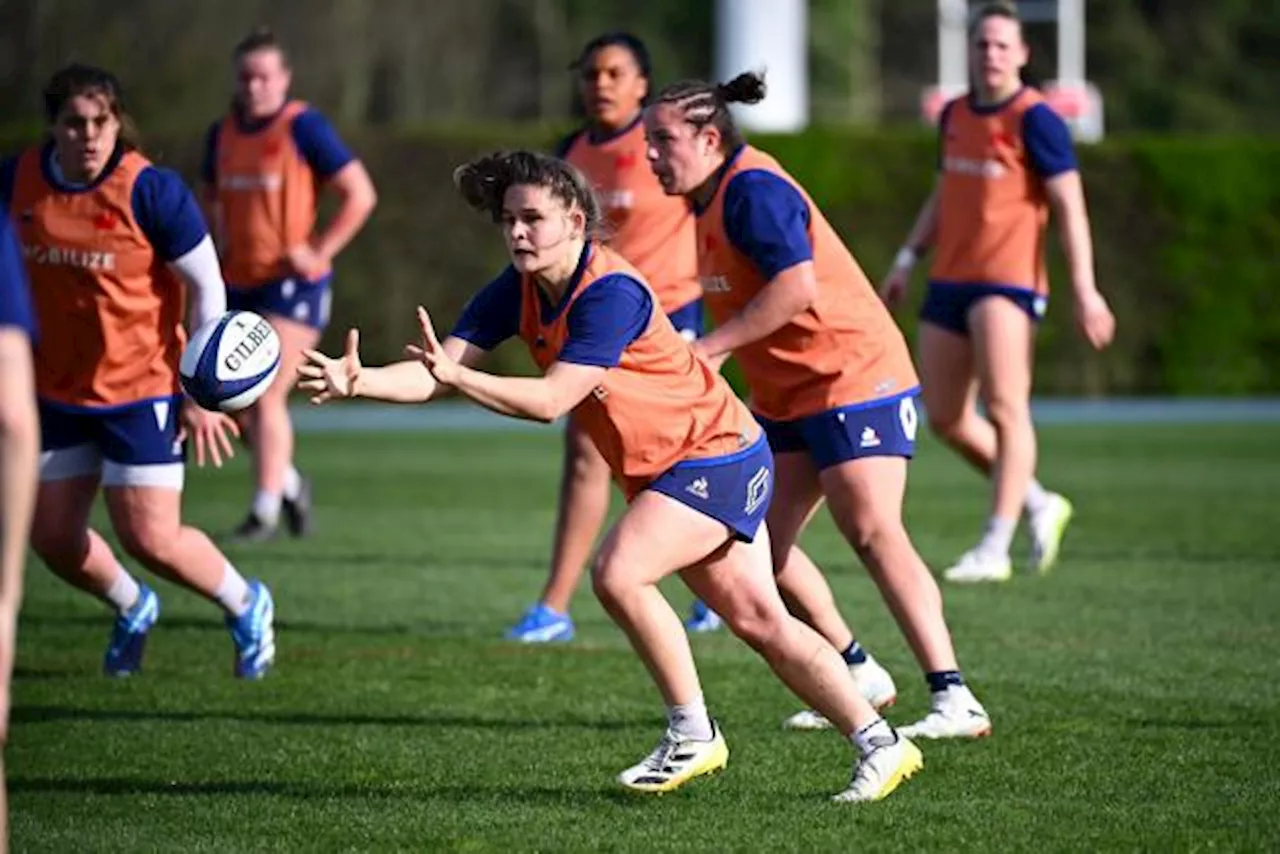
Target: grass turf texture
<point x="1134" y="691"/>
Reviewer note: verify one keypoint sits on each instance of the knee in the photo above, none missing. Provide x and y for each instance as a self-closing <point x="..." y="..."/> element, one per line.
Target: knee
<point x="608" y="582"/>
<point x="1008" y="412"/>
<point x="757" y="626"/>
<point x="148" y="542"/>
<point x="945" y="423"/>
<point x="871" y="534"/>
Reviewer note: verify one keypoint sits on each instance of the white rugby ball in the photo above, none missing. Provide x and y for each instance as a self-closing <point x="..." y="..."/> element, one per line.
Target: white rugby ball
<point x="229" y="362"/>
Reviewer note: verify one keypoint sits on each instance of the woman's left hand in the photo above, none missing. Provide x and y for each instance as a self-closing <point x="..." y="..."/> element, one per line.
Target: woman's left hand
<point x="445" y="370"/>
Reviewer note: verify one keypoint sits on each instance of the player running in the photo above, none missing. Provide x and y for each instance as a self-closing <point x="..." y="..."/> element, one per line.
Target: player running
<point x="692" y="462"/>
<point x="653" y="231"/>
<point x="829" y="374"/>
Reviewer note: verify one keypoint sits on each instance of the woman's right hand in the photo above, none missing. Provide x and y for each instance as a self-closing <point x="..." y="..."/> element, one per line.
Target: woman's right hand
<point x="325" y="378"/>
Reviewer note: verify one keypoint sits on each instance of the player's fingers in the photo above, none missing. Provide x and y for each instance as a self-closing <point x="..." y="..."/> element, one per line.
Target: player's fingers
<point x="197" y="438"/>
<point x="315" y="357"/>
<point x="211" y="443"/>
<point x="232" y="425"/>
<point x="353" y="343"/>
<point x="224" y="439"/>
<point x="428" y="331"/>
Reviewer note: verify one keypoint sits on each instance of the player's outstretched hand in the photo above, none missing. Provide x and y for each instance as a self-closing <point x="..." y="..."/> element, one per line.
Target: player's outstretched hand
<point x="431" y="354"/>
<point x="326" y="379"/>
<point x="209" y="432"/>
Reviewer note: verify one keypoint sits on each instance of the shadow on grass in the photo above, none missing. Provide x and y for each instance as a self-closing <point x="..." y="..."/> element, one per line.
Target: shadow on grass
<point x="27" y="714"/>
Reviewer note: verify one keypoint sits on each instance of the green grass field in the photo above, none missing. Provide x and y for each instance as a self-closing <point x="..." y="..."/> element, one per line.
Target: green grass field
<point x="1135" y="692"/>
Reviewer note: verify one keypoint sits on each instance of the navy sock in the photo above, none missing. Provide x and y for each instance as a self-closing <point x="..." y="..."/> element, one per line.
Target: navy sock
<point x="940" y="680"/>
<point x="855" y="654"/>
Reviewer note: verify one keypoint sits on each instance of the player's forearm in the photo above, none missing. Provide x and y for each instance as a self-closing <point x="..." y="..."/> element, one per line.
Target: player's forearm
<point x="791" y="292"/>
<point x="358" y="201"/>
<point x="1077" y="245"/>
<point x="925" y="228"/>
<point x="533" y="399"/>
<point x="399" y="382"/>
<point x="19" y="452"/>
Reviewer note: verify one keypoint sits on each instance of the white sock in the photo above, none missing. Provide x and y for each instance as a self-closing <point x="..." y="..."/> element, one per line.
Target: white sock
<point x="998" y="537"/>
<point x="266" y="506"/>
<point x="873" y="736"/>
<point x="292" y="483"/>
<point x="233" y="591"/>
<point x="690" y="720"/>
<point x="124" y="591"/>
<point x="1037" y="497"/>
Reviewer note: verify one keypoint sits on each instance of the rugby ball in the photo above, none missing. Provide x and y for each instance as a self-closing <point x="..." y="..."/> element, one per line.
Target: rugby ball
<point x="229" y="362"/>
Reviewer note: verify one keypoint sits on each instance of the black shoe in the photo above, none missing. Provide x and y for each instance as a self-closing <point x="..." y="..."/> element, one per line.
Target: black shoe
<point x="297" y="511"/>
<point x="253" y="530"/>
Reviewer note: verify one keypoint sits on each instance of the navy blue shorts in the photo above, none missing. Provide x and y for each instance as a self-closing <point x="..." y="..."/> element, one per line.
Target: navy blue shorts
<point x="687" y="319"/>
<point x="295" y="299"/>
<point x="734" y="488"/>
<point x="131" y="445"/>
<point x="948" y="305"/>
<point x="877" y="428"/>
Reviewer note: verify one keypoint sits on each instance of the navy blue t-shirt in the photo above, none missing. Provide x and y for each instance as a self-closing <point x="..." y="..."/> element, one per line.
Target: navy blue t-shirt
<point x="612" y="312"/>
<point x="15" y="292"/>
<point x="767" y="220"/>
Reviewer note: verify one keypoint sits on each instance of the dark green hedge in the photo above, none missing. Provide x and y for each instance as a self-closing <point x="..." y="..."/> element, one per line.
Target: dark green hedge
<point x="1185" y="232"/>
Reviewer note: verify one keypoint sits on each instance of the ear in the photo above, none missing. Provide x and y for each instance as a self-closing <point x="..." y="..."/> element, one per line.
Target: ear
<point x="644" y="88"/>
<point x="710" y="138"/>
<point x="578" y="218"/>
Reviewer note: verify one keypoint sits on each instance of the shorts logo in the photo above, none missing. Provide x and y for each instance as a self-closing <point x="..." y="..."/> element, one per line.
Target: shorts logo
<point x="699" y="488"/>
<point x="870" y="439"/>
<point x="757" y="490"/>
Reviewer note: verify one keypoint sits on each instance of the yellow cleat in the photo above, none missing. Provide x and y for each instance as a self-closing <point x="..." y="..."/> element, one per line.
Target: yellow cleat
<point x="676" y="761"/>
<point x="881" y="771"/>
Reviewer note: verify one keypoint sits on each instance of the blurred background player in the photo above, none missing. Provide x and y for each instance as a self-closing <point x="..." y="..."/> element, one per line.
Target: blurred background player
<point x="830" y="378"/>
<point x="103" y="232"/>
<point x="693" y="463"/>
<point x="19" y="452"/>
<point x="265" y="167"/>
<point x="1005" y="159"/>
<point x="653" y="231"/>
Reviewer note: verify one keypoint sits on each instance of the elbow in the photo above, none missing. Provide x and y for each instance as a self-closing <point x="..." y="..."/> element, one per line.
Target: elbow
<point x="548" y="413"/>
<point x="553" y="407"/>
<point x="806" y="294"/>
<point x="369" y="199"/>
